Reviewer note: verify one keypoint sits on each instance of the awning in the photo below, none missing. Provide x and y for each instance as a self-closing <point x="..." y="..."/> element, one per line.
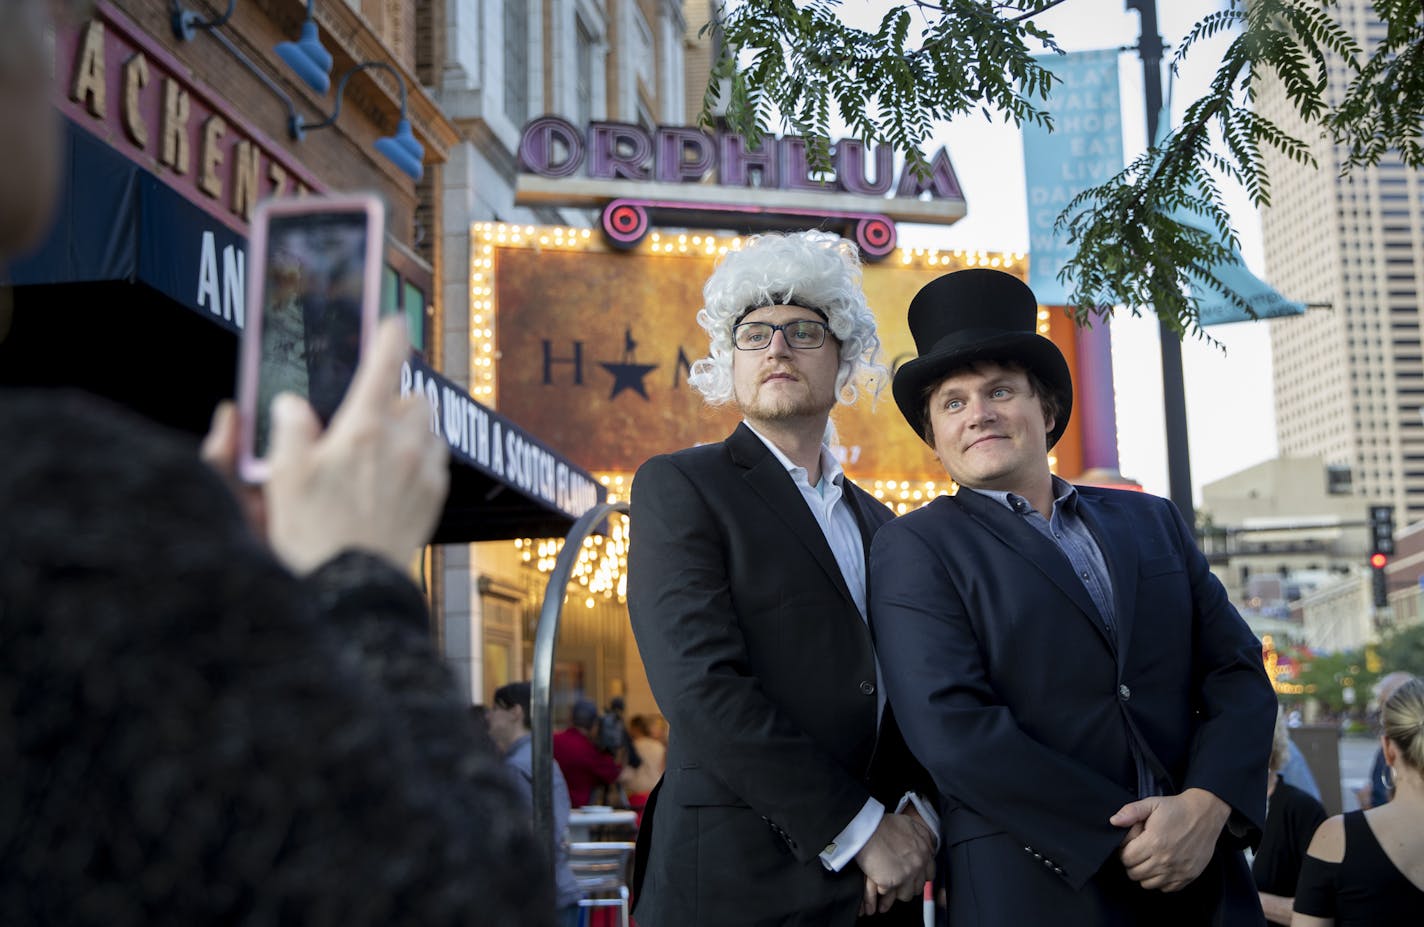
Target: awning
<point x="137" y="294"/>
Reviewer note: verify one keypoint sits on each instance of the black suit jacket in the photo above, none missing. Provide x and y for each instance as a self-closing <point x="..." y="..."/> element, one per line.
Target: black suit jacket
<point x="758" y="656"/>
<point x="1024" y="707"/>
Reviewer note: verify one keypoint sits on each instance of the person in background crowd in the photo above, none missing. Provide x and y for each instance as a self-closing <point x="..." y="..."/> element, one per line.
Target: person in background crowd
<point x="1292" y="816"/>
<point x="746" y="589"/>
<point x="1297" y="772"/>
<point x="638" y="783"/>
<point x="1367" y="867"/>
<point x="1376" y="792"/>
<point x="510" y="726"/>
<point x="587" y="769"/>
<point x="1093" y="709"/>
<point x="613" y="738"/>
<point x="208" y="725"/>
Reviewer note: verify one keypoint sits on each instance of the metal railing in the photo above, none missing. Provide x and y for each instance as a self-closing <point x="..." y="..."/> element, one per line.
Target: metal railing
<point x="540" y="689"/>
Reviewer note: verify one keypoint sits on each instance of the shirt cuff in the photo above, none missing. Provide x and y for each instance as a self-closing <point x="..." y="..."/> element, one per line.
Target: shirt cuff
<point x="856" y="834"/>
<point x="927" y="813"/>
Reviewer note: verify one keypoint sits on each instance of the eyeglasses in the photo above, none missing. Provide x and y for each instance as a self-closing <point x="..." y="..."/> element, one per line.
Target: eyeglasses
<point x="803" y="334"/>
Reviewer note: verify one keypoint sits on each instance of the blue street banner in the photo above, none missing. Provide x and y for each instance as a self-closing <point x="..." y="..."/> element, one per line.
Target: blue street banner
<point x="1215" y="307"/>
<point x="1214" y="303"/>
<point x="1083" y="150"/>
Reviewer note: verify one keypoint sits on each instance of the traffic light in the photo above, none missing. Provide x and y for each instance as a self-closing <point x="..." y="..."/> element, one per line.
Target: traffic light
<point x="1381" y="548"/>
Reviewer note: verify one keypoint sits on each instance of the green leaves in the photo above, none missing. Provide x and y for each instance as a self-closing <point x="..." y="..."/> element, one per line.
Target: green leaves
<point x="929" y="61"/>
<point x="1383" y="108"/>
<point x="925" y="63"/>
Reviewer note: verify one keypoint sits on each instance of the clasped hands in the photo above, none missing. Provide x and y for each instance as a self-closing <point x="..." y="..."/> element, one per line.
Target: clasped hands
<point x="897" y="860"/>
<point x="1170" y="838"/>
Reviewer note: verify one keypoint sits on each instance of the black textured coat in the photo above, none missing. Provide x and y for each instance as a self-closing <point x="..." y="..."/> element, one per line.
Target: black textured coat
<point x="191" y="735"/>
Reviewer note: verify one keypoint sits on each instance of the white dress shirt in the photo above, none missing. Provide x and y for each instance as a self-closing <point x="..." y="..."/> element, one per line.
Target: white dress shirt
<point x="842" y="532"/>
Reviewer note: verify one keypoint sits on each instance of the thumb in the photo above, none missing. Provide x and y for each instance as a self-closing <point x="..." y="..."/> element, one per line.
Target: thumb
<point x="294" y="429"/>
<point x="219" y="449"/>
<point x="1133" y="813"/>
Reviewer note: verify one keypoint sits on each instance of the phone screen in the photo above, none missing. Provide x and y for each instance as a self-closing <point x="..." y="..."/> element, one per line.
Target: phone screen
<point x="312" y="298"/>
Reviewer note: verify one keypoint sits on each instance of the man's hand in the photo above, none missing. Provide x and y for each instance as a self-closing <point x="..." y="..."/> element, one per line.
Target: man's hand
<point x="1170" y="838"/>
<point x="897" y="860"/>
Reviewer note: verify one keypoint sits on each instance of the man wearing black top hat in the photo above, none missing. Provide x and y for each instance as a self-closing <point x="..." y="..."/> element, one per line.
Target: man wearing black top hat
<point x="1091" y="707"/>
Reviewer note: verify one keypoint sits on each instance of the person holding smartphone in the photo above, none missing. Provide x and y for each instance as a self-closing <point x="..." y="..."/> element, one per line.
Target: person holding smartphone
<point x="207" y="723"/>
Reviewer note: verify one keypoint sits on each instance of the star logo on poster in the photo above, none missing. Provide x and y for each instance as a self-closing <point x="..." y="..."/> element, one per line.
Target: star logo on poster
<point x="628" y="374"/>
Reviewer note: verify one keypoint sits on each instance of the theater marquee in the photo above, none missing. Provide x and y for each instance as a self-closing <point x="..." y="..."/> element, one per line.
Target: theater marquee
<point x="594" y="348"/>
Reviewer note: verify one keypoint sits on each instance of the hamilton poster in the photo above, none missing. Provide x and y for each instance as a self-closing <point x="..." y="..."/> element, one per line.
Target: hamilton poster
<point x="595" y="346"/>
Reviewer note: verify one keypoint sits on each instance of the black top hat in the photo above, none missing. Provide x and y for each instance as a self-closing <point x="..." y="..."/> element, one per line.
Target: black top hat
<point x="978" y="315"/>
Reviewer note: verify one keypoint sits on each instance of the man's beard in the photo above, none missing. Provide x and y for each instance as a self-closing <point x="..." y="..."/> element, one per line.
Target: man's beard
<point x="783" y="408"/>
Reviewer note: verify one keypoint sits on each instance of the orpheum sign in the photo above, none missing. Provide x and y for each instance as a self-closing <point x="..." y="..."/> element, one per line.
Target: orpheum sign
<point x="561" y="163"/>
<point x="551" y="147"/>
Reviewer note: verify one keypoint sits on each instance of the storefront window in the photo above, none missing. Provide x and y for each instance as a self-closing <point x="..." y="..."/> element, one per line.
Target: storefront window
<point x="390" y="291"/>
<point x="516" y="60"/>
<point x="414" y="306"/>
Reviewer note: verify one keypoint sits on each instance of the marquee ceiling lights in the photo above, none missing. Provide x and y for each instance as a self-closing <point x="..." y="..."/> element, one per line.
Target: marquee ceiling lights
<point x="486" y="236"/>
<point x="710" y="243"/>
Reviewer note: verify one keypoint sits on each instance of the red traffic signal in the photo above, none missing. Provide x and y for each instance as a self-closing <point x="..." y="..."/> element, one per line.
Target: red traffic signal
<point x="1378" y="561"/>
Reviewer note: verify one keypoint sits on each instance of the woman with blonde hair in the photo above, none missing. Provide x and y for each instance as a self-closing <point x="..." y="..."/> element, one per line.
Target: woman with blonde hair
<point x="1367" y="867"/>
<point x="1292" y="815"/>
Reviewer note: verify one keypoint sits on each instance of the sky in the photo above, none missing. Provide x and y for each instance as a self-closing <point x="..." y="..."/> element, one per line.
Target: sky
<point x="1230" y="416"/>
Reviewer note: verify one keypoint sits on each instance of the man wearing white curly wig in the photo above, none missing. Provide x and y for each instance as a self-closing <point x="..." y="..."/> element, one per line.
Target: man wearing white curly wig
<point x="789" y="796"/>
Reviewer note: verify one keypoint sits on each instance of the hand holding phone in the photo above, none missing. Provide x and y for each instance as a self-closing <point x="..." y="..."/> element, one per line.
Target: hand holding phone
<point x="313" y="288"/>
<point x="374" y="481"/>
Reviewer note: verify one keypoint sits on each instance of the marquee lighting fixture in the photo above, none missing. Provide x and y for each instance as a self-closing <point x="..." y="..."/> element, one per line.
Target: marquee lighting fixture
<point x="485" y="237"/>
<point x="602" y="565"/>
<point x="401" y="149"/>
<point x="307" y="56"/>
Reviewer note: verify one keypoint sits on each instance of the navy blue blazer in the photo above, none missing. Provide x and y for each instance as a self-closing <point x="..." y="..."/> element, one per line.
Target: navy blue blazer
<point x="1023" y="706"/>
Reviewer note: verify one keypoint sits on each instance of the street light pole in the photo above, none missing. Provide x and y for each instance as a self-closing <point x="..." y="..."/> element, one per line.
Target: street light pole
<point x="1174" y="400"/>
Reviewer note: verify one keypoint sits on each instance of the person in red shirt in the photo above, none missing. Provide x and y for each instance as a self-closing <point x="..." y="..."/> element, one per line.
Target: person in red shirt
<point x="585" y="766"/>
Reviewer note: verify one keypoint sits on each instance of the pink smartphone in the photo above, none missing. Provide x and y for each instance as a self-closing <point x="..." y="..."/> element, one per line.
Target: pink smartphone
<point x="313" y="295"/>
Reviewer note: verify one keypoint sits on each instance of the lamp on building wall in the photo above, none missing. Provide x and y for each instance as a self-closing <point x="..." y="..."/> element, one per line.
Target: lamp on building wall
<point x="401" y="149"/>
<point x="186" y="22"/>
<point x="307" y="56"/>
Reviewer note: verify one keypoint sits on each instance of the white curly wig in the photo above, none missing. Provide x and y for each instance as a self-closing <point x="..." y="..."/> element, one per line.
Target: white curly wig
<point x="817" y="270"/>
